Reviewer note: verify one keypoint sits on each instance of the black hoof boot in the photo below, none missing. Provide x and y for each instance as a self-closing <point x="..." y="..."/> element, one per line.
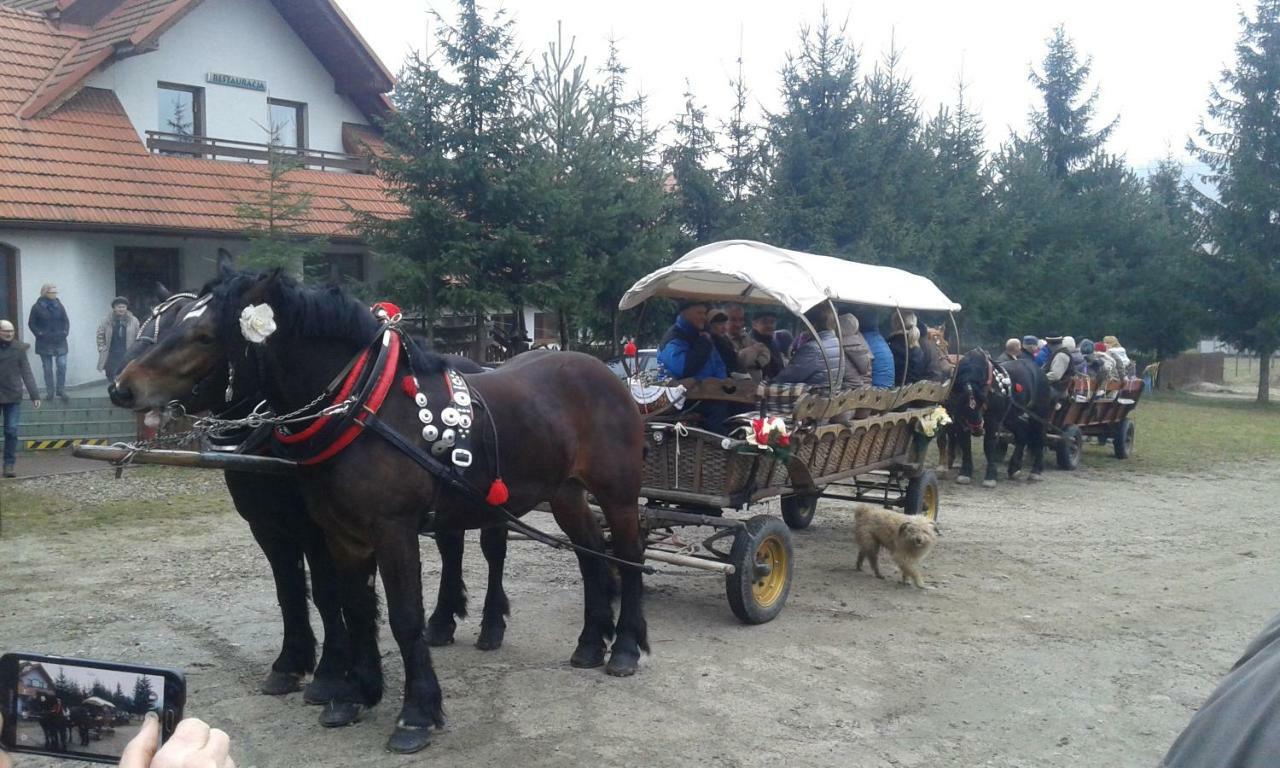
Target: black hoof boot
<point x="339" y="713"/>
<point x="322" y="690"/>
<point x="440" y="634"/>
<point x="587" y="656"/>
<point x="491" y="636"/>
<point x="280" y="683"/>
<point x="405" y="740"/>
<point x="623" y="663"/>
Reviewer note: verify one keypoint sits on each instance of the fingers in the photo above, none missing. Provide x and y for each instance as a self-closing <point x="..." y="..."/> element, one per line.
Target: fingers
<point x="142" y="747"/>
<point x="194" y="743"/>
<point x="218" y="746"/>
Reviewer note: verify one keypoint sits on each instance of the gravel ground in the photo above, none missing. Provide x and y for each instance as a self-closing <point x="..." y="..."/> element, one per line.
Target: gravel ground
<point x="1076" y="622"/>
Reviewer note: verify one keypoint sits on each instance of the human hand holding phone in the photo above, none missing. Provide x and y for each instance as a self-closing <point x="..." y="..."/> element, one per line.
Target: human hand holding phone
<point x="193" y="743"/>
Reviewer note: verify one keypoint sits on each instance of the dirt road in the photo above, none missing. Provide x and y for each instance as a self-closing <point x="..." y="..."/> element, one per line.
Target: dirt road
<point x="1076" y="622"/>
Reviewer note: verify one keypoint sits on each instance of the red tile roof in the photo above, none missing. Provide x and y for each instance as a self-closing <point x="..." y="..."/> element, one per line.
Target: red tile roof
<point x="81" y="163"/>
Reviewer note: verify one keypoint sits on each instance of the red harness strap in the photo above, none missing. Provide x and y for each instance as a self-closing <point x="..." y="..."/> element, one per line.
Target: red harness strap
<point x="376" y="398"/>
<point x="319" y="423"/>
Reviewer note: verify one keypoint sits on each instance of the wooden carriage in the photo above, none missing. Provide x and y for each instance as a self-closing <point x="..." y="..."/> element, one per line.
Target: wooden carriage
<point x="1098" y="412"/>
<point x="859" y="445"/>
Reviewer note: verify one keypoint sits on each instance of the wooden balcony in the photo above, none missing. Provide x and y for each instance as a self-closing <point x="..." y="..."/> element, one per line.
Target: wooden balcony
<point x="226" y="149"/>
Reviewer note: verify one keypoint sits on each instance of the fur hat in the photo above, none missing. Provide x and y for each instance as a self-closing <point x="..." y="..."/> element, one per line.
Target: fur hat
<point x="902" y="322"/>
<point x="848" y="326"/>
<point x="1086" y="347"/>
<point x="717" y="316"/>
<point x="1069" y="342"/>
<point x="1111" y="341"/>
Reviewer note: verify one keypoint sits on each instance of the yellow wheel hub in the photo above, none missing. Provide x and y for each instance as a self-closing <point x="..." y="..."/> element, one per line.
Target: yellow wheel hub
<point x="771" y="578"/>
<point x="930" y="506"/>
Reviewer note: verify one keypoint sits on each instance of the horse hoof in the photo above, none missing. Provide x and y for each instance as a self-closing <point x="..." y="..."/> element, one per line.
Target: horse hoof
<point x="490" y="638"/>
<point x="623" y="664"/>
<point x="321" y="690"/>
<point x="339" y="713"/>
<point x="988" y="483"/>
<point x="963" y="480"/>
<point x="1035" y="477"/>
<point x="439" y="635"/>
<point x="406" y="740"/>
<point x="280" y="683"/>
<point x="587" y="657"/>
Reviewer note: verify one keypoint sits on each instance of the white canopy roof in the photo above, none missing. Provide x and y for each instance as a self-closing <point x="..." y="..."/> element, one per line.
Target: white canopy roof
<point x="99" y="702"/>
<point x="748" y="271"/>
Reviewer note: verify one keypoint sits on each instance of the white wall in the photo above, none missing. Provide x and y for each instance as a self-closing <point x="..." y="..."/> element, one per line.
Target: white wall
<point x="82" y="265"/>
<point x="245" y="38"/>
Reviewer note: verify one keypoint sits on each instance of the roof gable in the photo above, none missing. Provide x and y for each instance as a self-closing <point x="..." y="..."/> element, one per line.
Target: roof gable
<point x="123" y="28"/>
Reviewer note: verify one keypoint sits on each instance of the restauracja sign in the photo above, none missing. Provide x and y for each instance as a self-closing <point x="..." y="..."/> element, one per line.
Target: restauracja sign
<point x="235" y="81"/>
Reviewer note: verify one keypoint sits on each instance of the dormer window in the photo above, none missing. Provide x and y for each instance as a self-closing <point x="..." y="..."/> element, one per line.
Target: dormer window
<point x="288" y="123"/>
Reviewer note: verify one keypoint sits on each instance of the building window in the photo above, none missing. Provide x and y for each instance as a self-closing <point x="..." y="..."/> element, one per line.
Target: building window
<point x="181" y="110"/>
<point x="140" y="272"/>
<point x="288" y="123"/>
<point x="336" y="268"/>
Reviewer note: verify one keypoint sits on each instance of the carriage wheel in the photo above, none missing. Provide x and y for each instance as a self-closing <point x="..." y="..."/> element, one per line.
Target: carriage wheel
<point x="798" y="509"/>
<point x="1123" y="443"/>
<point x="1070" y="447"/>
<point x="762" y="561"/>
<point x="922" y="495"/>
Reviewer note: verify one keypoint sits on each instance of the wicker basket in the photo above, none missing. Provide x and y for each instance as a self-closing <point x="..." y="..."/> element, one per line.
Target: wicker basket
<point x="697" y="463"/>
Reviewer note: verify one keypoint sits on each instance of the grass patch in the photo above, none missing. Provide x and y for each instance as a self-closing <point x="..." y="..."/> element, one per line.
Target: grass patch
<point x="1180" y="432"/>
<point x="144" y="496"/>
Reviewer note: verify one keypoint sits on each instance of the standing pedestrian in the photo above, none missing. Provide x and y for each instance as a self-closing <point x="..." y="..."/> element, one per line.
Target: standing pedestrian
<point x="15" y="373"/>
<point x="49" y="324"/>
<point x="115" y="333"/>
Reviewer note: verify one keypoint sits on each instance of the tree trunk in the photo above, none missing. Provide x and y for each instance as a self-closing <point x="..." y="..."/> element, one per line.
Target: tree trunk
<point x="614" y="340"/>
<point x="564" y="330"/>
<point x="1264" y="375"/>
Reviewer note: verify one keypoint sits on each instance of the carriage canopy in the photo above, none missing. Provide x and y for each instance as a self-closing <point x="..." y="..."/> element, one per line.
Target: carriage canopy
<point x="753" y="272"/>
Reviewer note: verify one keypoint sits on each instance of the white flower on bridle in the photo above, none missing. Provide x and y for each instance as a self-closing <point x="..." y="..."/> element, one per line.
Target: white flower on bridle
<point x="257" y="322"/>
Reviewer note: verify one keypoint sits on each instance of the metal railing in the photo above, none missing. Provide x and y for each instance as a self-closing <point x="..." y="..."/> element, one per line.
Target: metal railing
<point x="160" y="142"/>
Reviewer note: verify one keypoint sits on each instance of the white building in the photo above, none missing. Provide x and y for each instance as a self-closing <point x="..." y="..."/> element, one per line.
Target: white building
<point x="131" y="129"/>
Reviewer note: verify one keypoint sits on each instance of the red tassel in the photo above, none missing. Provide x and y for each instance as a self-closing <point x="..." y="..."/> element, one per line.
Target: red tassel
<point x="1017" y="388"/>
<point x="390" y="309"/>
<point x="410" y="386"/>
<point x="498" y="493"/>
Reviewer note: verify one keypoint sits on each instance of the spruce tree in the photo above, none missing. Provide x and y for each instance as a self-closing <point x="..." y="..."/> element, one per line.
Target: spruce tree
<point x="742" y="177"/>
<point x="699" y="200"/>
<point x="1062" y="128"/>
<point x="274" y="216"/>
<point x="1240" y="145"/>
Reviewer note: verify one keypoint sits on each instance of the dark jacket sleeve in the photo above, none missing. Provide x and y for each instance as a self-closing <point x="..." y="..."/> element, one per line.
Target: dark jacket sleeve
<point x="24" y="367"/>
<point x="34" y="318"/>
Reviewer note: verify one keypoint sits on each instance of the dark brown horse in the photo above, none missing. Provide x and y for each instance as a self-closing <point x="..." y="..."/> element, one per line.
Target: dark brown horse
<point x="273" y="507"/>
<point x="555" y="426"/>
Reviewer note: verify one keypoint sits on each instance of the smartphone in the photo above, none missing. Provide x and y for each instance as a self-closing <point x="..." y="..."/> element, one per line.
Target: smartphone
<point x="82" y="709"/>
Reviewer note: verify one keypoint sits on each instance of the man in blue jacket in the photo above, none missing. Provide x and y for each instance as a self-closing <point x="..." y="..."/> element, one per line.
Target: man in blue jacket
<point x="882" y="375"/>
<point x="687" y="351"/>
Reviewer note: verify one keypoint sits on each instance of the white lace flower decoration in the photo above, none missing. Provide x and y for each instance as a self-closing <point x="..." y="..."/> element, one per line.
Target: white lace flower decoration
<point x="257" y="322"/>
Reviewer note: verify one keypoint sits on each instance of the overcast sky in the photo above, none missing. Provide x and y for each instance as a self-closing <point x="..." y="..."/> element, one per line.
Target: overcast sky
<point x="1153" y="60"/>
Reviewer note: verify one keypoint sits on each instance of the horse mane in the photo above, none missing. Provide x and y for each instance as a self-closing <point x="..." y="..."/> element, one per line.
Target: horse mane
<point x="972" y="369"/>
<point x="309" y="312"/>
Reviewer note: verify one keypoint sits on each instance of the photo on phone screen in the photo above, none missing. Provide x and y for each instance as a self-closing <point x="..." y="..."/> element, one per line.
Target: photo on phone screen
<point x="65" y="707"/>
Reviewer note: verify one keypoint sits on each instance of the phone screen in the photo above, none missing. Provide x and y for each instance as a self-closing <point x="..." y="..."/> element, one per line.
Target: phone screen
<point x="78" y="708"/>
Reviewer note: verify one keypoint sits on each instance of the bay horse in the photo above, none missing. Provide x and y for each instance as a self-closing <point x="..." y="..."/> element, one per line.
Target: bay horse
<point x="987" y="397"/>
<point x="293" y="543"/>
<point x="552" y="425"/>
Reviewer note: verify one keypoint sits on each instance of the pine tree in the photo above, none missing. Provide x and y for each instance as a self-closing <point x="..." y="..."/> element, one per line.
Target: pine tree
<point x="742" y="178"/>
<point x="1062" y="128"/>
<point x="144" y="695"/>
<point x="699" y="200"/>
<point x="1240" y="144"/>
<point x="274" y="217"/>
<point x="812" y="180"/>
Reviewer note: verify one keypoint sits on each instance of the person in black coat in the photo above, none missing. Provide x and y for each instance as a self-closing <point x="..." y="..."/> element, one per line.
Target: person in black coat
<point x="49" y="324"/>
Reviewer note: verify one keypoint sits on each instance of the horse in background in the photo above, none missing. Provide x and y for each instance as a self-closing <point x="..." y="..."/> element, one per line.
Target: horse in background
<point x="987" y="397"/>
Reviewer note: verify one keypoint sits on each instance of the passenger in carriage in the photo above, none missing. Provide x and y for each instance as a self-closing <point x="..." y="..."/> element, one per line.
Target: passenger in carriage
<point x="815" y="357"/>
<point x="857" y="355"/>
<point x="1012" y="351"/>
<point x="1102" y="367"/>
<point x="881" y="355"/>
<point x="718" y="323"/>
<point x="1063" y="365"/>
<point x="1124" y="366"/>
<point x="762" y="356"/>
<point x="1030" y="348"/>
<point x="687" y="350"/>
<point x="904" y="344"/>
<point x="737" y="328"/>
<point x="1042" y="352"/>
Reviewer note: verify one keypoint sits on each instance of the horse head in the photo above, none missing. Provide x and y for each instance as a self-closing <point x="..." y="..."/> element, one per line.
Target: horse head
<point x="971" y="390"/>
